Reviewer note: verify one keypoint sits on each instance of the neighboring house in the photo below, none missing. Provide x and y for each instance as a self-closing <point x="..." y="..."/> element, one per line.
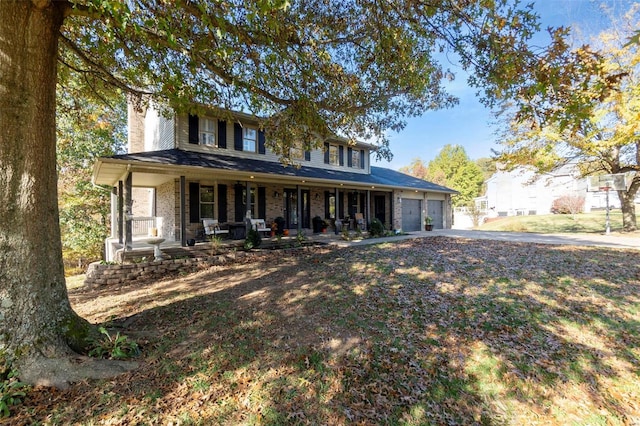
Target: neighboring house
<point x="522" y="192"/>
<point x="183" y="169"/>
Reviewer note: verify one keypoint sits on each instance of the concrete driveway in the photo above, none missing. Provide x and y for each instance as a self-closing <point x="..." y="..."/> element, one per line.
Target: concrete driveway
<point x="598" y="240"/>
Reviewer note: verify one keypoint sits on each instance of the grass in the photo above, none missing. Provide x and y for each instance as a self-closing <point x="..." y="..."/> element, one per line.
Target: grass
<point x="593" y="222"/>
<point x="420" y="332"/>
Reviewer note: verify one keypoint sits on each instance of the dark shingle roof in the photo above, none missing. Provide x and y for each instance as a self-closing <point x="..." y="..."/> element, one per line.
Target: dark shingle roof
<point x="378" y="176"/>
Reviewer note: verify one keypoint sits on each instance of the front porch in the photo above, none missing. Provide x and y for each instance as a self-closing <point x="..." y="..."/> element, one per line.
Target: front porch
<point x="141" y="248"/>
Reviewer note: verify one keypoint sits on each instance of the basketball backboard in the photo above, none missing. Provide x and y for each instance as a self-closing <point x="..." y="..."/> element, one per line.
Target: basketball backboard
<point x="615" y="182"/>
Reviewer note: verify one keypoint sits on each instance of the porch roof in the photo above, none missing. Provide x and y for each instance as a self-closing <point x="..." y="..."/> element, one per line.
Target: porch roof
<point x="175" y="162"/>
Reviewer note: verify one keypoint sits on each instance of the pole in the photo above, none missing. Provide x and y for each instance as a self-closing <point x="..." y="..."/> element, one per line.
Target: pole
<point x="608" y="223"/>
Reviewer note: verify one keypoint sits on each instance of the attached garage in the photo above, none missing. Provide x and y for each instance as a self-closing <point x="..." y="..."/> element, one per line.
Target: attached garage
<point x="411" y="215"/>
<point x="435" y="211"/>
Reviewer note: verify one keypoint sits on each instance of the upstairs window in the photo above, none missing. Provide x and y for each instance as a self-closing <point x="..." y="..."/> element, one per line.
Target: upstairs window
<point x="297" y="151"/>
<point x="355" y="159"/>
<point x="249" y="139"/>
<point x="334" y="155"/>
<point x="207" y="132"/>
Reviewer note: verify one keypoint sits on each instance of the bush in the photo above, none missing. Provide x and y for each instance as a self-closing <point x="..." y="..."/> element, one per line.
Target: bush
<point x="253" y="239"/>
<point x="376" y="228"/>
<point x="11" y="391"/>
<point x="113" y="347"/>
<point x="568" y="204"/>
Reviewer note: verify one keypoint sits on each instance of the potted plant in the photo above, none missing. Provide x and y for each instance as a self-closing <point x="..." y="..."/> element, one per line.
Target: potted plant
<point x="428" y="223"/>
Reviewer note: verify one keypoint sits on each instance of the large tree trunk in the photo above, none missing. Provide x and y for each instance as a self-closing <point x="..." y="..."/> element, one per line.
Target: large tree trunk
<point x="39" y="330"/>
<point x="628" y="210"/>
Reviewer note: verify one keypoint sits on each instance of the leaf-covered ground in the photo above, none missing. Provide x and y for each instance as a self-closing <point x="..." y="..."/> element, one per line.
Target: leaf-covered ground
<point x="428" y="331"/>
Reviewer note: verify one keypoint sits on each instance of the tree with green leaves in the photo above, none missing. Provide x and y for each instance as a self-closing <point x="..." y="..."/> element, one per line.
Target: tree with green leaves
<point x="87" y="128"/>
<point x="354" y="68"/>
<point x="452" y="168"/>
<point x="605" y="141"/>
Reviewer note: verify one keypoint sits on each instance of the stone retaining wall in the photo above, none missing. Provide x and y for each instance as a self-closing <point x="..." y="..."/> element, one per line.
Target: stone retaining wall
<point x="110" y="274"/>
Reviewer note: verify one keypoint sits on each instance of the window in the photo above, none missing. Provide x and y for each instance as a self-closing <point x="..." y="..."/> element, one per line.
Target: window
<point x="332" y="207"/>
<point x="334" y="155"/>
<point x="355" y="159"/>
<point x="297" y="151"/>
<point x="207" y="132"/>
<point x="206" y="201"/>
<point x="249" y="139"/>
<point x="252" y="207"/>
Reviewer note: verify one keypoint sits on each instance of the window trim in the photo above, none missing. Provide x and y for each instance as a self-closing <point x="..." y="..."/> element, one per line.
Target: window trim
<point x="202" y="130"/>
<point x="355" y="159"/>
<point x="245" y="139"/>
<point x="334" y="155"/>
<point x="207" y="203"/>
<point x="297" y="152"/>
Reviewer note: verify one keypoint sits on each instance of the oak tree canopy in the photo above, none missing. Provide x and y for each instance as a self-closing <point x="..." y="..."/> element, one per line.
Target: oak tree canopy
<point x="312" y="69"/>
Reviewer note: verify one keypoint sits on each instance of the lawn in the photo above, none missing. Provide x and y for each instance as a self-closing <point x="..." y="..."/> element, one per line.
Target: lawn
<point x="416" y="332"/>
<point x="593" y="222"/>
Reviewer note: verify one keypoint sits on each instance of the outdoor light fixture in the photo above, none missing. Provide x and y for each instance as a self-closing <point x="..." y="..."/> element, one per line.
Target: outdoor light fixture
<point x="276" y="194"/>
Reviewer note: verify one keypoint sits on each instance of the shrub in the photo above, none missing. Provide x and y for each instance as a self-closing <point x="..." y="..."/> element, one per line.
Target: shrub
<point x="568" y="204"/>
<point x="376" y="228"/>
<point x="253" y="239"/>
<point x="11" y="391"/>
<point x="113" y="347"/>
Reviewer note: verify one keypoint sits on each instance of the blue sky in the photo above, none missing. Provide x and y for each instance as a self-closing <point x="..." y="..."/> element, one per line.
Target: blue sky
<point x="469" y="123"/>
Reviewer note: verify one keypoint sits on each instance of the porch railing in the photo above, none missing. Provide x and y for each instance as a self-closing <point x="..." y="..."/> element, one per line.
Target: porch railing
<point x="141" y="226"/>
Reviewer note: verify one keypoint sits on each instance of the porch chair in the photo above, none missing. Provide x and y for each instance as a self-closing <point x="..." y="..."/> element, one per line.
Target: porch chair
<point x="260" y="225"/>
<point x="212" y="227"/>
<point x="360" y="221"/>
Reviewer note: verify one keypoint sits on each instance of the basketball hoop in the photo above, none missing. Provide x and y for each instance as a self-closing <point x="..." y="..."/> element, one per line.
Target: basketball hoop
<point x="604" y="188"/>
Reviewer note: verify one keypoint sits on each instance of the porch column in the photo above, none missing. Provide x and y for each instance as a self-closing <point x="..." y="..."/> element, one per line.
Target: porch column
<point x="183" y="211"/>
<point x="299" y="207"/>
<point x="391" y="209"/>
<point x="114" y="212"/>
<point x="247" y="213"/>
<point x="119" y="224"/>
<point x="368" y="209"/>
<point x="128" y="212"/>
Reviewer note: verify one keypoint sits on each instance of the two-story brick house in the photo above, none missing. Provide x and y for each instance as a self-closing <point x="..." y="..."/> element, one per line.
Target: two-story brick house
<point x="182" y="169"/>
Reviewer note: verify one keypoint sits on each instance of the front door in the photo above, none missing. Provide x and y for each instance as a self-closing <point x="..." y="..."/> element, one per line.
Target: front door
<point x="291" y="208"/>
<point x="379" y="208"/>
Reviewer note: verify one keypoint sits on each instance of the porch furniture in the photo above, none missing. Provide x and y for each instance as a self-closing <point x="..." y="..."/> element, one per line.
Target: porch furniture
<point x="260" y="225"/>
<point x="360" y="221"/>
<point x="237" y="230"/>
<point x="212" y="227"/>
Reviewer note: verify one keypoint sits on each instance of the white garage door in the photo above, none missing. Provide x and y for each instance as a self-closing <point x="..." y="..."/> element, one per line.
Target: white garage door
<point x="411" y="211"/>
<point x="435" y="209"/>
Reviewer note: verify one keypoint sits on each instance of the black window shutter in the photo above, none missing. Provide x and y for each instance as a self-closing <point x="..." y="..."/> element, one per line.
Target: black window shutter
<point x="194" y="129"/>
<point x="262" y="203"/>
<point x="341" y="154"/>
<point x="326" y="153"/>
<point x="350" y="157"/>
<point x="261" y="147"/>
<point x="362" y="158"/>
<point x="237" y="137"/>
<point x="222" y="134"/>
<point x="341" y="198"/>
<point x="307" y="156"/>
<point x="363" y="201"/>
<point x="222" y="203"/>
<point x="194" y="202"/>
<point x="238" y="202"/>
